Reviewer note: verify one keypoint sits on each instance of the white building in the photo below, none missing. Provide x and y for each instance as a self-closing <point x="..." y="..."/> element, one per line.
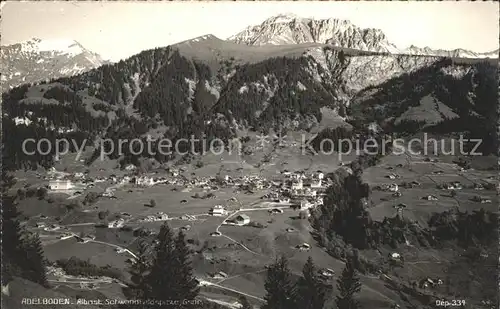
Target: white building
<point x="319" y="201"/>
<point x="116" y="224"/>
<point x="217" y="210"/>
<point x="284" y="200"/>
<point x="316" y="183"/>
<point x="144" y="181"/>
<point x="393" y="187"/>
<point x="297" y="185"/>
<point x="162" y="216"/>
<point x="60" y="184"/>
<point x="305" y="204"/>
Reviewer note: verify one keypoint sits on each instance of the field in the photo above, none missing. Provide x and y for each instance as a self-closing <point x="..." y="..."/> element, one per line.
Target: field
<point x="242" y="252"/>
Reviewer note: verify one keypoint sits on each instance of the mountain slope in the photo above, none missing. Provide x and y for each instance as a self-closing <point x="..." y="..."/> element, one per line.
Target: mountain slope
<point x="447" y="97"/>
<point x="214" y="87"/>
<point x="37" y="60"/>
<point x="292" y="29"/>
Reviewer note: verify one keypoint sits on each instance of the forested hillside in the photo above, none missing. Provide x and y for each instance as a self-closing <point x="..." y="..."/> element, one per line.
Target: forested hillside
<point x="164" y="92"/>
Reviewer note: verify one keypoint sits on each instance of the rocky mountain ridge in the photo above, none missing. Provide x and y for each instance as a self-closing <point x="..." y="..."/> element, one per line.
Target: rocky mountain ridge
<point x="36" y="60"/>
<point x="292" y="29"/>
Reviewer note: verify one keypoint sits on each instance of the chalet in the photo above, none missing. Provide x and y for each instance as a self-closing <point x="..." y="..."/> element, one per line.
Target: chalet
<point x="116" y="224"/>
<point x="130" y="167"/>
<point x="305" y="204"/>
<point x="428" y="282"/>
<point x="40" y="225"/>
<point x="327" y="273"/>
<point x="430" y="198"/>
<point x="220" y="275"/>
<point x="316" y="183"/>
<point x="144" y="181"/>
<point x="120" y="250"/>
<point x="395" y="256"/>
<point x="318" y="201"/>
<point x="65" y="236"/>
<point x="52" y="227"/>
<point x="217" y="210"/>
<point x="276" y="211"/>
<point x="393" y="176"/>
<point x="304" y="247"/>
<point x="242" y="219"/>
<point x="478" y="186"/>
<point x="297" y="185"/>
<point x="60" y="185"/>
<point x="284" y="200"/>
<point x="161" y="216"/>
<point x="400" y="206"/>
<point x="393" y="187"/>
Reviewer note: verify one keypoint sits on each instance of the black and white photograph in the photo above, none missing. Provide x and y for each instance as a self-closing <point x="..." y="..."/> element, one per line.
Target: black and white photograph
<point x="250" y="154"/>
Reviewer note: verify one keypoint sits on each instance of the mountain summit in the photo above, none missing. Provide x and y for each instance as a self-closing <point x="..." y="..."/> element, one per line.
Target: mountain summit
<point x="290" y="29"/>
<point x="38" y="59"/>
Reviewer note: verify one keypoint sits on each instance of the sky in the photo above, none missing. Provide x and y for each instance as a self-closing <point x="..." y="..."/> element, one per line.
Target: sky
<point x="117" y="30"/>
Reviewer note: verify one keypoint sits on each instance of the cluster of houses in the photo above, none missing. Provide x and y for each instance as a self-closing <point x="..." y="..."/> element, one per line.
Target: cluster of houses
<point x="393" y="187"/>
<point x="160" y="216"/>
<point x="116" y="223"/>
<point x="301" y="190"/>
<point x="455" y="185"/>
<point x="219" y="210"/>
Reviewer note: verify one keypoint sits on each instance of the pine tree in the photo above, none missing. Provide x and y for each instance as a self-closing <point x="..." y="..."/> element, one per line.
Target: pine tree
<point x="279" y="287"/>
<point x="161" y="277"/>
<point x="11" y="236"/>
<point x="186" y="285"/>
<point x="311" y="290"/>
<point x="22" y="253"/>
<point x="245" y="304"/>
<point x="348" y="285"/>
<point x="34" y="261"/>
<point x="139" y="272"/>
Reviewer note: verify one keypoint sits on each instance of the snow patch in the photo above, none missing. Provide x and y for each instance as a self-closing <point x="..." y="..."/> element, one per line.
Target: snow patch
<point x="192" y="86"/>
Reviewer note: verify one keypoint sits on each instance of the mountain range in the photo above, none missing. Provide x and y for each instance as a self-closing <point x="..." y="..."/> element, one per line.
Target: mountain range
<point x="216" y="87"/>
<point x="292" y="29"/>
<point x="36" y="60"/>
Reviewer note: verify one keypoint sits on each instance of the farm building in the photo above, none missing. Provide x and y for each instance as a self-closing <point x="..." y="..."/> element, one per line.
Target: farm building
<point x="242" y="219"/>
<point x="430" y="198"/>
<point x="304" y="247"/>
<point x="217" y="210"/>
<point x="305" y="204"/>
<point x="60" y="185"/>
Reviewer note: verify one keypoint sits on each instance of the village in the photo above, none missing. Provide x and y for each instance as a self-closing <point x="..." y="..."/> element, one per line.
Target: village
<point x="298" y="190"/>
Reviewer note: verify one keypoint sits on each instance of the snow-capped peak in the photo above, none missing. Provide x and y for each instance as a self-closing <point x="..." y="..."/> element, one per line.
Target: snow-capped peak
<point x="60" y="46"/>
<point x="283" y="18"/>
<point x="292" y="29"/>
<point x="37" y="59"/>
